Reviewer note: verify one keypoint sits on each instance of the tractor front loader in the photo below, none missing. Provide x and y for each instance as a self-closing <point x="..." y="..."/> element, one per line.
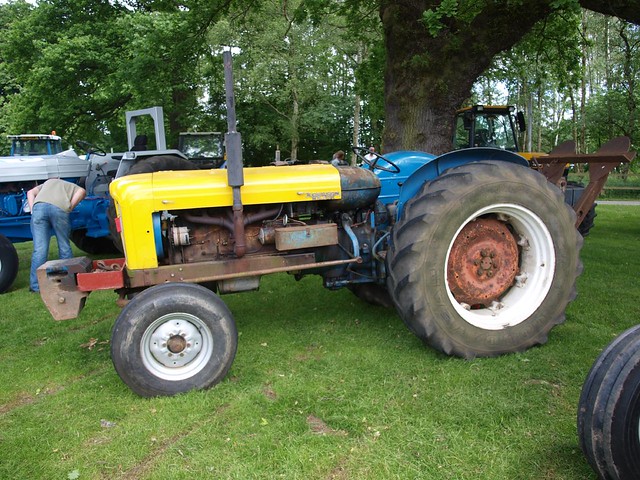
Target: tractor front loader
<point x="477" y="251"/>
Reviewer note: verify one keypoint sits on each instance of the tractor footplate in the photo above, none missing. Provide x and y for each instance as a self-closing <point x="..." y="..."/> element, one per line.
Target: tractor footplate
<point x="58" y="288"/>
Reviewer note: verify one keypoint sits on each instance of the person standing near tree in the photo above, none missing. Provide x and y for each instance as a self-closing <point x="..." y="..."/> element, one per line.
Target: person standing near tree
<point x="50" y="204"/>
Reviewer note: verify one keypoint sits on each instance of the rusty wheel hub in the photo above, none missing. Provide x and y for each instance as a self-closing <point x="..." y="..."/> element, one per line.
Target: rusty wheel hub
<point x="483" y="262"/>
<point x="176" y="344"/>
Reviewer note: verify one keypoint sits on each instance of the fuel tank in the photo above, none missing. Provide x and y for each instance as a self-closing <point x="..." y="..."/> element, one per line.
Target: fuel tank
<point x="359" y="187"/>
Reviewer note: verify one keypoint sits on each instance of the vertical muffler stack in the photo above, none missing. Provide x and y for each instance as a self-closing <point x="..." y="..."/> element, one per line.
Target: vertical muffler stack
<point x="235" y="176"/>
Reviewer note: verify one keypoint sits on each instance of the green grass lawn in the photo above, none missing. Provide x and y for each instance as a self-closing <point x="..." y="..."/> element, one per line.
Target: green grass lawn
<point x="323" y="386"/>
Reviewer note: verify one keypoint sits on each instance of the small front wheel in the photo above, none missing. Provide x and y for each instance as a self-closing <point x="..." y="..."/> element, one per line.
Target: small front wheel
<point x="172" y="338"/>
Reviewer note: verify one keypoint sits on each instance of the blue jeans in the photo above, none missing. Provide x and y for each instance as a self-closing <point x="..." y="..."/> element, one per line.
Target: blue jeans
<point x="47" y="220"/>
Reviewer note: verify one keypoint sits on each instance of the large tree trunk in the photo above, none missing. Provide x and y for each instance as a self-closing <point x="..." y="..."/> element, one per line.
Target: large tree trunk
<point x="428" y="77"/>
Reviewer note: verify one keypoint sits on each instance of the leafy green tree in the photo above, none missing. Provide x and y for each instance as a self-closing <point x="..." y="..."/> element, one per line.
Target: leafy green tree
<point x="63" y="65"/>
<point x="295" y="81"/>
<point x="78" y="64"/>
<point x="303" y="66"/>
<point x="612" y="109"/>
<point x="437" y="49"/>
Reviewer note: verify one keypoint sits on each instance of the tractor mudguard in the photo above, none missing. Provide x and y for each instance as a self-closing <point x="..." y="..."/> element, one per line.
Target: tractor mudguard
<point x="437" y="165"/>
<point x="408" y="162"/>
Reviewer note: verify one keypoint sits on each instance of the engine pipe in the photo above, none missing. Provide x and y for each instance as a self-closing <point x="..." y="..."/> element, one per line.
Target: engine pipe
<point x="235" y="175"/>
<point x="229" y="224"/>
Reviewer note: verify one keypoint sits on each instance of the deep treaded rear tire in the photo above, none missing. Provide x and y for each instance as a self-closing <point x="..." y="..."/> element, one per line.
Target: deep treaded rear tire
<point x="8" y="263"/>
<point x="609" y="409"/>
<point x="535" y="213"/>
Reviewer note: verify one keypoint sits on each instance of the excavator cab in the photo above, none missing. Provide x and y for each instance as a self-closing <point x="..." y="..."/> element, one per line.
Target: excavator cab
<point x="487" y="126"/>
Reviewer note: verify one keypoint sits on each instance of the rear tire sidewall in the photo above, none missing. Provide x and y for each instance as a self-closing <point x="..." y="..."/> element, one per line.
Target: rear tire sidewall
<point x="214" y="320"/>
<point x="446" y="315"/>
<point x="431" y="314"/>
<point x="9" y="263"/>
<point x="591" y="388"/>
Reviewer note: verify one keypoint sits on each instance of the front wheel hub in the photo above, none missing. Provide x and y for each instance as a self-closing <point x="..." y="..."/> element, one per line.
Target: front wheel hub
<point x="483" y="262"/>
<point x="175" y="342"/>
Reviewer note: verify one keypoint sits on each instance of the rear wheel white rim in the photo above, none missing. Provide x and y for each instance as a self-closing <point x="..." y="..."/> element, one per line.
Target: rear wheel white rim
<point x="536" y="270"/>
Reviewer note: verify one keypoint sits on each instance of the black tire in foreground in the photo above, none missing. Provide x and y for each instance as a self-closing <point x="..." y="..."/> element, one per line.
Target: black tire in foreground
<point x="172" y="338"/>
<point x="484" y="260"/>
<point x="609" y="410"/>
<point x="8" y="263"/>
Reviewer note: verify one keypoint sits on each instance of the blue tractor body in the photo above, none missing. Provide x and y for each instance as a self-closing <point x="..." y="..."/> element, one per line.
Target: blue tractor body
<point x="416" y="168"/>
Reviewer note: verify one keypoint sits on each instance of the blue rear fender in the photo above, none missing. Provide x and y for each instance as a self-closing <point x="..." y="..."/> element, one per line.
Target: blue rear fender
<point x="436" y="166"/>
<point x="408" y="162"/>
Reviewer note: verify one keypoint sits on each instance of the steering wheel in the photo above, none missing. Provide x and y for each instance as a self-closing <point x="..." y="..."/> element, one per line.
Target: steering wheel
<point x="361" y="153"/>
<point x="90" y="149"/>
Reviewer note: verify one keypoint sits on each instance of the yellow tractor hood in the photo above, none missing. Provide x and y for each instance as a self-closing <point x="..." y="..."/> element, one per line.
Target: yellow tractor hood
<point x="138" y="197"/>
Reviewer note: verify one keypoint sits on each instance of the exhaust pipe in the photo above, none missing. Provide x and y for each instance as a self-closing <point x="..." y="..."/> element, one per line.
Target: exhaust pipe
<point x="235" y="175"/>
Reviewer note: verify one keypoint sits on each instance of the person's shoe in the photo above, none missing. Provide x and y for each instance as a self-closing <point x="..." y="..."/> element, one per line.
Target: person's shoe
<point x="33" y="291"/>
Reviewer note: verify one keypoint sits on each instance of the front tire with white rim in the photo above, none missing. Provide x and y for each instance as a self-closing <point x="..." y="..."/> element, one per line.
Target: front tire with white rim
<point x="172" y="338"/>
<point x="484" y="260"/>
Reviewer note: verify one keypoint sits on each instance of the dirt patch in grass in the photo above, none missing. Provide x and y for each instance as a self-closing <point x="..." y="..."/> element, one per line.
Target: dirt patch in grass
<point x="25" y="398"/>
<point x="319" y="427"/>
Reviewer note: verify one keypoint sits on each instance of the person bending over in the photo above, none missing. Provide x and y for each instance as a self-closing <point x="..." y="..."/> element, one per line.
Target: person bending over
<point x="51" y="203"/>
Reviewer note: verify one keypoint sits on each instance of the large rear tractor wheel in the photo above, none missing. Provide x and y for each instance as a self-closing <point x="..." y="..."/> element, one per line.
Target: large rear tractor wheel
<point x="484" y="260"/>
<point x="172" y="338"/>
<point x="8" y="264"/>
<point x="609" y="410"/>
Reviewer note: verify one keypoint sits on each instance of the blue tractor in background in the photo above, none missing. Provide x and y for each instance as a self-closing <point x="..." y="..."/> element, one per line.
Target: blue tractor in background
<point x="34" y="158"/>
